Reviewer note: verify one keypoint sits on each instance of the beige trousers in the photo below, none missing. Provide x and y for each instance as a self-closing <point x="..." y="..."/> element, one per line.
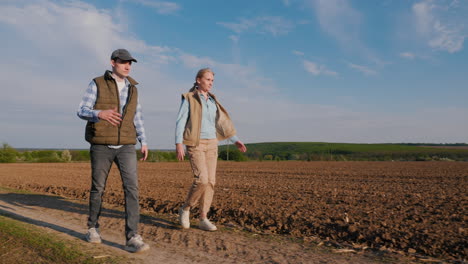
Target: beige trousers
<point x="203" y="159"/>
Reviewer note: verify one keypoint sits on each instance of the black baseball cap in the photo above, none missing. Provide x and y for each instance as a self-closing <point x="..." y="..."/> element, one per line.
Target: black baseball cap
<point x="122" y="54"/>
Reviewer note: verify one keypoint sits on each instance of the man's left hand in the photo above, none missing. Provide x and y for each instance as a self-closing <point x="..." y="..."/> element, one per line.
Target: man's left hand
<point x="144" y="151"/>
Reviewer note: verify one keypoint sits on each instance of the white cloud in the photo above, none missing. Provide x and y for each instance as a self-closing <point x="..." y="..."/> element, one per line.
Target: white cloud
<point x="338" y="19"/>
<point x="317" y="69"/>
<point x="53" y="51"/>
<point x="286" y="2"/>
<point x="454" y="4"/>
<point x="412" y="56"/>
<point x="240" y="27"/>
<point x="48" y="27"/>
<point x="447" y="39"/>
<point x="341" y="21"/>
<point x="273" y="25"/>
<point x="241" y="78"/>
<point x="407" y="55"/>
<point x="192" y="61"/>
<point x="298" y="53"/>
<point x="424" y="17"/>
<point x="162" y="7"/>
<point x="363" y="69"/>
<point x="234" y="38"/>
<point x="441" y="26"/>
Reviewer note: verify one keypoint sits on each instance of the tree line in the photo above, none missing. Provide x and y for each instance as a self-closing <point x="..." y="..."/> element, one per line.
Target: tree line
<point x="278" y="151"/>
<point x="10" y="155"/>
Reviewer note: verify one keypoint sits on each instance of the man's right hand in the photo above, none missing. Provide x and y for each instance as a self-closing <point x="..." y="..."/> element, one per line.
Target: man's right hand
<point x="111" y="116"/>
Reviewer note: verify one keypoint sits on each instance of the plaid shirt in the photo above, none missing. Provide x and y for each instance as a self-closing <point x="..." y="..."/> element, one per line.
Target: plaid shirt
<point x="86" y="109"/>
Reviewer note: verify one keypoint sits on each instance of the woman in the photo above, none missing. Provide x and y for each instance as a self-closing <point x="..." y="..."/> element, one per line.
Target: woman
<point x="201" y="122"/>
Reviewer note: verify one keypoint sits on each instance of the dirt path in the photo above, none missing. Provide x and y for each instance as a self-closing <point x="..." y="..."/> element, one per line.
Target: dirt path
<point x="169" y="243"/>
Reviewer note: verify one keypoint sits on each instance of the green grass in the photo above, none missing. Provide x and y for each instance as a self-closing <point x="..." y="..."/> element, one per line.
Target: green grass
<point x="3" y="188"/>
<point x="348" y="151"/>
<point x="24" y="243"/>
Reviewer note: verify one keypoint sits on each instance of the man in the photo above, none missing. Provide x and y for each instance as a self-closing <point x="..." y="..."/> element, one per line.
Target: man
<point x="115" y="121"/>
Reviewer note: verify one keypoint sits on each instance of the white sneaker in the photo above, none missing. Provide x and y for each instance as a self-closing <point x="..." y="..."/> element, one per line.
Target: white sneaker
<point x="184" y="218"/>
<point x="136" y="244"/>
<point x="206" y="225"/>
<point x="93" y="236"/>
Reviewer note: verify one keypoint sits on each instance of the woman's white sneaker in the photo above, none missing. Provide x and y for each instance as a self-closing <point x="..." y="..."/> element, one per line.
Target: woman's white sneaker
<point x="206" y="225"/>
<point x="184" y="218"/>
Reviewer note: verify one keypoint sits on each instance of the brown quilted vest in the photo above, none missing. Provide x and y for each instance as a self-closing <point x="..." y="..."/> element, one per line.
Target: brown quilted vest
<point x="103" y="132"/>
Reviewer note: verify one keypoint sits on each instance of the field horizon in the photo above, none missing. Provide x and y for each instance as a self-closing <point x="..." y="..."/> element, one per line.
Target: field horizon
<point x="222" y="143"/>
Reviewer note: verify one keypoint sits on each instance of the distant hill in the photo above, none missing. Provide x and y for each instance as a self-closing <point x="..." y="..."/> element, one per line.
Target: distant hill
<point x="350" y="151"/>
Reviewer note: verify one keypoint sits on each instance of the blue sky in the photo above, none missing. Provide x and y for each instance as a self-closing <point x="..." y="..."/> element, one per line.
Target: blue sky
<point x="287" y="70"/>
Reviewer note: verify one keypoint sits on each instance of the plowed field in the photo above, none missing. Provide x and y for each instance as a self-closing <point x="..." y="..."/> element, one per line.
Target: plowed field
<point x="413" y="207"/>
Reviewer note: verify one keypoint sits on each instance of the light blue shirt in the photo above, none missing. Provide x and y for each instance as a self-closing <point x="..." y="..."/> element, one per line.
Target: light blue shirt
<point x="208" y="124"/>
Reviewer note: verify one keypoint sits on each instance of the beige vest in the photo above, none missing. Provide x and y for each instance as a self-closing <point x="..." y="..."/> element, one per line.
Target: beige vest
<point x="224" y="126"/>
<point x="103" y="132"/>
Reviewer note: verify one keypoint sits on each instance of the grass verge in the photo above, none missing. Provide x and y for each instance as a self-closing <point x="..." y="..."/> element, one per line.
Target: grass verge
<point x="23" y="243"/>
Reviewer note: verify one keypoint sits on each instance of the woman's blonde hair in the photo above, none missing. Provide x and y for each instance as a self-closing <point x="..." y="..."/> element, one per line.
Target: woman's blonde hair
<point x="203" y="71"/>
<point x="200" y="74"/>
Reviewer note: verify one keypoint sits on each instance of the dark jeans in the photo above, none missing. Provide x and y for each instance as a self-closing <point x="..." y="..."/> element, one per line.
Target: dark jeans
<point x="102" y="158"/>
